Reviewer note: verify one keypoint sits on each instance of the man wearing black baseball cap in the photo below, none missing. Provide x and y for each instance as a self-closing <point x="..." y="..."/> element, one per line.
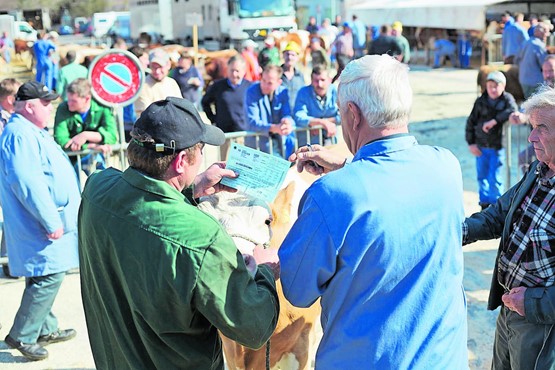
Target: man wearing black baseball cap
<point x="39" y="187"/>
<point x="159" y="277"/>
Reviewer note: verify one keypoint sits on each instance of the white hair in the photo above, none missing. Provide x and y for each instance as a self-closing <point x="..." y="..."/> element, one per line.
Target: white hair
<point x="544" y="98"/>
<point x="379" y="86"/>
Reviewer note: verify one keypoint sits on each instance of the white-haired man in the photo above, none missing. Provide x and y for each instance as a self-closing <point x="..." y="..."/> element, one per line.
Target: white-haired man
<point x="383" y="256"/>
<point x="39" y="187"/>
<point x="524" y="273"/>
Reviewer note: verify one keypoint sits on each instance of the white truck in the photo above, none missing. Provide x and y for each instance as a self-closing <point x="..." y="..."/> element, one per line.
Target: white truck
<point x="17" y="29"/>
<point x="107" y="23"/>
<point x="223" y="21"/>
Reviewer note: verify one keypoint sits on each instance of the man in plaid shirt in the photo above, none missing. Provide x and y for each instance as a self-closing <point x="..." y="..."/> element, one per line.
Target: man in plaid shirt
<point x="524" y="273"/>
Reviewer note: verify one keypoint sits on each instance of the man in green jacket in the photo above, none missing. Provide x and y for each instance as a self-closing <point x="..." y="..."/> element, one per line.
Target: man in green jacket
<point x="159" y="277"/>
<point x="83" y="123"/>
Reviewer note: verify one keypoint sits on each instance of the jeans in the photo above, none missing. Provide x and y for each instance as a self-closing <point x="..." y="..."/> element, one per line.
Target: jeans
<point x="34" y="317"/>
<point x="490" y="175"/>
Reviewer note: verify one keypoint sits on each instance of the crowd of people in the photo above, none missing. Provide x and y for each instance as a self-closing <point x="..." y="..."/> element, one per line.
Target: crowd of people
<point x="160" y="278"/>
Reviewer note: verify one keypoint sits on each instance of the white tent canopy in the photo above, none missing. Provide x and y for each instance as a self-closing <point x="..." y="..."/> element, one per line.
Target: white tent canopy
<point x="454" y="14"/>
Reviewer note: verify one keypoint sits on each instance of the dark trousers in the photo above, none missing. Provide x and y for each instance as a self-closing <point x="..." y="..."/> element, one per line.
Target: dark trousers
<point x="34" y="316"/>
<point x="519" y="344"/>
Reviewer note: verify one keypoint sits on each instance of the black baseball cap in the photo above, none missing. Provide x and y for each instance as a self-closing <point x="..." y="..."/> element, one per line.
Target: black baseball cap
<point x="35" y="90"/>
<point x="174" y="124"/>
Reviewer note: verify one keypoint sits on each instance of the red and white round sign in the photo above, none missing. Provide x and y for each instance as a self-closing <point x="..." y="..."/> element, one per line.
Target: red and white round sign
<point x="116" y="78"/>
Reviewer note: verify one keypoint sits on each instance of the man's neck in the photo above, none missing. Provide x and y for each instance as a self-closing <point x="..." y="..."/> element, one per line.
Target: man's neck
<point x="377" y="134"/>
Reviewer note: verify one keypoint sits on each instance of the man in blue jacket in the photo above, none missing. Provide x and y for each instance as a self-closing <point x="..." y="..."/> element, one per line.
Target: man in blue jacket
<point x="268" y="112"/>
<point x="39" y="187"/>
<point x="524" y="273"/>
<point x="383" y="256"/>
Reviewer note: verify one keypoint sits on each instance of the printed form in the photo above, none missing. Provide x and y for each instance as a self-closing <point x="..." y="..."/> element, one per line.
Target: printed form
<point x="260" y="174"/>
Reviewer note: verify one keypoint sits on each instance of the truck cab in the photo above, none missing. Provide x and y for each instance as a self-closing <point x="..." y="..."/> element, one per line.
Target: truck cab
<point x="24" y="31"/>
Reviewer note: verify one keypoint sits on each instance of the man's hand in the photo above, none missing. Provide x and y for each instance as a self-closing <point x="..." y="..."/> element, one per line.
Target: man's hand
<point x="317" y="160"/>
<point x="75" y="143"/>
<point x="328" y="125"/>
<point x="104" y="148"/>
<point x="518" y="118"/>
<point x="268" y="257"/>
<point x="514" y="300"/>
<point x="489" y="125"/>
<point x="475" y="150"/>
<point x="56" y="234"/>
<point x="208" y="182"/>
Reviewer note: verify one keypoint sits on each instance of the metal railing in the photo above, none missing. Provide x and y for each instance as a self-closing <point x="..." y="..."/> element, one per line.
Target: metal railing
<point x="515" y="142"/>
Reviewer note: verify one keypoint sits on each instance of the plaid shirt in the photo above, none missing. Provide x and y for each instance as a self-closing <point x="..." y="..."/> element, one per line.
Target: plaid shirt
<point x="528" y="258"/>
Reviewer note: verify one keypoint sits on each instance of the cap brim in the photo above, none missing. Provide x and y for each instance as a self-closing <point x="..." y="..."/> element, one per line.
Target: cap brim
<point x="160" y="61"/>
<point x="213" y="136"/>
<point x="51" y="96"/>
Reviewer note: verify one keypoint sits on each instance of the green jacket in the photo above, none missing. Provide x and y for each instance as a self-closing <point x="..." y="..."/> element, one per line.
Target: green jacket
<point x="100" y="118"/>
<point x="159" y="278"/>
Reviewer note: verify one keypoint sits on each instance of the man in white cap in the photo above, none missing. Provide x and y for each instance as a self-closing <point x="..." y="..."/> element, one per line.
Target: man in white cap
<point x="269" y="53"/>
<point x="158" y="85"/>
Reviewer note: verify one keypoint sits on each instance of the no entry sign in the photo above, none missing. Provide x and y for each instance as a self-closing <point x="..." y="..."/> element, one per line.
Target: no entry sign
<point x="116" y="78"/>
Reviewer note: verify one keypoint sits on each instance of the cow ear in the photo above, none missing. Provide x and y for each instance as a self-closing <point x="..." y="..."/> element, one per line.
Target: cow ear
<point x="281" y="207"/>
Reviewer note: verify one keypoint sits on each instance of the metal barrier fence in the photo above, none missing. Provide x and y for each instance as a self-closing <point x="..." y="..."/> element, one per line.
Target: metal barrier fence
<point x="491" y="50"/>
<point x="515" y="142"/>
<point x="119" y="150"/>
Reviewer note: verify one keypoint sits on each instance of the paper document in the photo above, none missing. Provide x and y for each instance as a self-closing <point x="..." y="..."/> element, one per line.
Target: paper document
<point x="260" y="174"/>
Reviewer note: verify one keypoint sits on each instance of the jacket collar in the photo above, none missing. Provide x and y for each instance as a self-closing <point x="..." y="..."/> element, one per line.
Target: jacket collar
<point x="152" y="185"/>
<point x="388" y="144"/>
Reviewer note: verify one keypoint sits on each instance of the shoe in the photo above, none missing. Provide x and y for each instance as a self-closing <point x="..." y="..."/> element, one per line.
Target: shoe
<point x="56" y="337"/>
<point x="33" y="352"/>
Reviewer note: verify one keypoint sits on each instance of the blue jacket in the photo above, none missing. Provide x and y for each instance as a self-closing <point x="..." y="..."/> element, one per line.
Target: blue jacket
<point x="42" y="50"/>
<point x="39" y="194"/>
<point x="308" y="108"/>
<point x="513" y="38"/>
<point x="387" y="263"/>
<point x="261" y="113"/>
<point x="530" y="62"/>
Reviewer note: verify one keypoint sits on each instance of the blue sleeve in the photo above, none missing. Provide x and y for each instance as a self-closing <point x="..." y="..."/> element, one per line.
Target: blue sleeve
<point x="285" y="107"/>
<point x="27" y="182"/>
<point x="307" y="256"/>
<point x="197" y="74"/>
<point x="253" y="113"/>
<point x="302" y="119"/>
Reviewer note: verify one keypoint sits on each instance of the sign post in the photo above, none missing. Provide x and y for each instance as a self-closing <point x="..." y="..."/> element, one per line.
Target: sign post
<point x="116" y="77"/>
<point x="194" y="20"/>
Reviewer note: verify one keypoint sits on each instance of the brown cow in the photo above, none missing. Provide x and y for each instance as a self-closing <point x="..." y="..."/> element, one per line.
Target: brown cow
<point x="292" y="341"/>
<point x="511" y="73"/>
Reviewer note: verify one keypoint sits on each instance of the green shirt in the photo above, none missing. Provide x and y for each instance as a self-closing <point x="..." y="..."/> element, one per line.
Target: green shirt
<point x="159" y="278"/>
<point x="405" y="47"/>
<point x="67" y="75"/>
<point x="100" y="118"/>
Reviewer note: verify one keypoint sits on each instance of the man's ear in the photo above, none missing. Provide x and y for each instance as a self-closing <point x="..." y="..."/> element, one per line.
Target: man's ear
<point x="181" y="163"/>
<point x="355" y="111"/>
